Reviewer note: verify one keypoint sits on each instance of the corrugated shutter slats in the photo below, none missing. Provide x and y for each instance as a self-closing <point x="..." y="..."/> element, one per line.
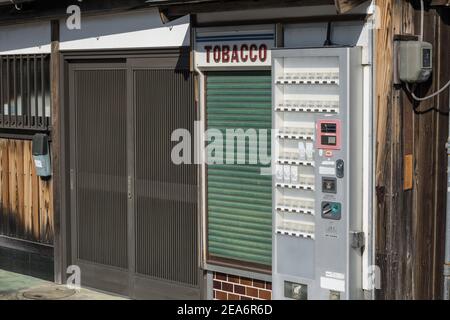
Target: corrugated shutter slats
<point x="239" y="197"/>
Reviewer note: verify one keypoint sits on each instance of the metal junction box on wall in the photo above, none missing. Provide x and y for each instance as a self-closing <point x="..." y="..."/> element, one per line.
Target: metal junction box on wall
<point x="317" y="197"/>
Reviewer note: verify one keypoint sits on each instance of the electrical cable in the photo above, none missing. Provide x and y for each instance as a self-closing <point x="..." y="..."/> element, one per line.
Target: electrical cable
<point x="427" y="97"/>
<point x="328" y="41"/>
<point x="443" y="112"/>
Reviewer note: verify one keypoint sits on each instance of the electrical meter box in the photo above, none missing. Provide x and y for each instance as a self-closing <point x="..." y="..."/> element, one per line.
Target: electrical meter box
<point x="415" y="61"/>
<point x="317" y="182"/>
<point x="41" y="155"/>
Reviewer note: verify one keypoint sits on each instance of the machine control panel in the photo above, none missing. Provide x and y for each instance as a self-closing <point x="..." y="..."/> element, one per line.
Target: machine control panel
<point x="329" y="134"/>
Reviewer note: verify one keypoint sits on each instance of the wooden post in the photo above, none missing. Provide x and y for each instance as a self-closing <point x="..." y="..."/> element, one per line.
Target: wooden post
<point x="59" y="256"/>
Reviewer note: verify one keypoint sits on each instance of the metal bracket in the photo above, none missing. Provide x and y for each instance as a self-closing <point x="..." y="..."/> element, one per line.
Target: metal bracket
<point x="358" y="240"/>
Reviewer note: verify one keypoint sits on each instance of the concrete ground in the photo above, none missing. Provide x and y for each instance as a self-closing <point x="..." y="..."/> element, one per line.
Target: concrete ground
<point x="15" y="286"/>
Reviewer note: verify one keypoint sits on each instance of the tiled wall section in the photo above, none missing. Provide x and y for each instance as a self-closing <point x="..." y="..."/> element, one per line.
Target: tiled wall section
<point x="229" y="287"/>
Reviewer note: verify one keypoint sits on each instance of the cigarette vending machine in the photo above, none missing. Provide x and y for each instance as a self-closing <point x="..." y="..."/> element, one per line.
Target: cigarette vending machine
<point x="317" y="197"/>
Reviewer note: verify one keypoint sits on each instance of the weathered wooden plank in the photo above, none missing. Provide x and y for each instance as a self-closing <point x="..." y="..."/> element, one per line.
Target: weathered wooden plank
<point x="442" y="77"/>
<point x="20" y="188"/>
<point x="4" y="185"/>
<point x="344" y="6"/>
<point x="12" y="189"/>
<point x="408" y="28"/>
<point x="2" y="209"/>
<point x="35" y="209"/>
<point x="383" y="37"/>
<point x="27" y="194"/>
<point x="45" y="209"/>
<point x="51" y="212"/>
<point x="391" y="244"/>
<point x="423" y="208"/>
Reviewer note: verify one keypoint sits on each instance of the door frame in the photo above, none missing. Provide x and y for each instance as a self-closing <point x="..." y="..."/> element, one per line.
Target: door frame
<point x="140" y="286"/>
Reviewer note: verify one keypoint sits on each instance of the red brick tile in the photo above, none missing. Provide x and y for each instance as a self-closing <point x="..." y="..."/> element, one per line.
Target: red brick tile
<point x="234" y="279"/>
<point x="265" y="294"/>
<point x="259" y="284"/>
<point x="246" y="281"/>
<point x="227" y="287"/>
<point x="217" y="285"/>
<point x="214" y="294"/>
<point x="220" y="276"/>
<point x="232" y="296"/>
<point x="268" y="286"/>
<point x="252" y="292"/>
<point x="220" y="295"/>
<point x="245" y="298"/>
<point x="239" y="289"/>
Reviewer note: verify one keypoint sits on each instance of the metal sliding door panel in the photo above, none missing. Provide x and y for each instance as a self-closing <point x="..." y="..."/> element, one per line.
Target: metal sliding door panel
<point x="101" y="166"/>
<point x="134" y="213"/>
<point x="166" y="221"/>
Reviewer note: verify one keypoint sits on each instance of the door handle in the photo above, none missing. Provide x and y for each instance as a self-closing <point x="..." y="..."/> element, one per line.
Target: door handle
<point x="130" y="188"/>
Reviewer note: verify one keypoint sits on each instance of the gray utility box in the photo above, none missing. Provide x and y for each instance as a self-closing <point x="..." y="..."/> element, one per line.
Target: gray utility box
<point x="41" y="155"/>
<point x="317" y="159"/>
<point x="415" y="63"/>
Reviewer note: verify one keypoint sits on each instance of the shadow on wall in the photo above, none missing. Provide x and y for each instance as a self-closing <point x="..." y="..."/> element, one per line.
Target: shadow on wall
<point x="26" y="204"/>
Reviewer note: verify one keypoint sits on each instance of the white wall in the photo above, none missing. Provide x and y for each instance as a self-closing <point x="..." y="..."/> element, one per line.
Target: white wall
<point x="30" y="38"/>
<point x="138" y="29"/>
<point x="314" y="34"/>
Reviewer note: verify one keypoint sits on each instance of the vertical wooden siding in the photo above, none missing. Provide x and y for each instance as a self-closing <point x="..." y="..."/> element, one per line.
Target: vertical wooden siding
<point x="410" y="221"/>
<point x="26" y="204"/>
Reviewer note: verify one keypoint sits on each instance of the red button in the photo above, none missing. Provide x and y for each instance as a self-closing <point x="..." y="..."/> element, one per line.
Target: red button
<point x="328" y="154"/>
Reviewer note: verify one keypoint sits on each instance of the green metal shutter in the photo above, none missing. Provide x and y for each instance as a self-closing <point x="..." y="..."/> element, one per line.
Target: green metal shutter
<point x="239" y="197"/>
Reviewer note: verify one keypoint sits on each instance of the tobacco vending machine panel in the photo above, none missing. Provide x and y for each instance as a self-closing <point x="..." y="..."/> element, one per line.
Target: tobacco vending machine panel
<point x="317" y="161"/>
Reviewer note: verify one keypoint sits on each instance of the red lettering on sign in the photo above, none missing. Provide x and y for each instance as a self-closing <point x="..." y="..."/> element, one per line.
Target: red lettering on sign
<point x="234" y="54"/>
<point x="263" y="53"/>
<point x="225" y="54"/>
<point x="208" y="53"/>
<point x="244" y="53"/>
<point x="253" y="56"/>
<point x="216" y="54"/>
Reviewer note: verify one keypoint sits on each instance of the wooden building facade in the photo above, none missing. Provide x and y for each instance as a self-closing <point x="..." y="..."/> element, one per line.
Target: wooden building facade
<point x="409" y="155"/>
<point x="411" y="158"/>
